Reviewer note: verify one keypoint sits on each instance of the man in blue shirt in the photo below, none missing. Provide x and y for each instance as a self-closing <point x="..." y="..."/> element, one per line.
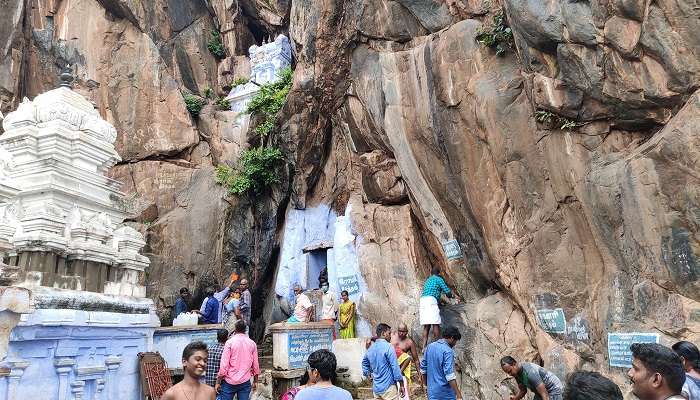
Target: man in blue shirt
<point x="429" y="311"/>
<point x="181" y="302"/>
<point x="381" y="365"/>
<point x="210" y="315"/>
<point x="438" y="367"/>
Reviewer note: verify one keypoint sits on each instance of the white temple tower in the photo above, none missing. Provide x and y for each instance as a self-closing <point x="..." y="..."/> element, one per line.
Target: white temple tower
<point x="60" y="213"/>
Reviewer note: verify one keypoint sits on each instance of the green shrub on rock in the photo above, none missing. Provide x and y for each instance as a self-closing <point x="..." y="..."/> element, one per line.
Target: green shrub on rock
<point x="216" y="46"/>
<point x="256" y="171"/>
<point x="193" y="103"/>
<point x="222" y="104"/>
<point x="269" y="100"/>
<point x="497" y="36"/>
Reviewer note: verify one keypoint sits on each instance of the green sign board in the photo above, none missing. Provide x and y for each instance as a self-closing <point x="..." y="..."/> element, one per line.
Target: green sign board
<point x="552" y="321"/>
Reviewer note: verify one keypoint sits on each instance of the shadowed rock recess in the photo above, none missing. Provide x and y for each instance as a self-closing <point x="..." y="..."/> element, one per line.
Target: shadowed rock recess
<point x="566" y="169"/>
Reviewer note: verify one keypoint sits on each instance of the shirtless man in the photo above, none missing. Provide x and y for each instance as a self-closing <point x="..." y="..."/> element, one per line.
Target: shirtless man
<point x="406" y="344"/>
<point x="194" y="365"/>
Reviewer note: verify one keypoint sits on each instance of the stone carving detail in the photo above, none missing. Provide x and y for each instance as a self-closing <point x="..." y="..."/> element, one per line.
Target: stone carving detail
<point x="53" y="156"/>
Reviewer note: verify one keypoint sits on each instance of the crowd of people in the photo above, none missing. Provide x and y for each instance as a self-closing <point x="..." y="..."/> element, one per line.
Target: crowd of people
<point x="231" y="303"/>
<point x="227" y="368"/>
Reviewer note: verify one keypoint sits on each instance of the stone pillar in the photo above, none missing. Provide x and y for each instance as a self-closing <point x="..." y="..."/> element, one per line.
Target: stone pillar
<point x="99" y="388"/>
<point x="77" y="388"/>
<point x="113" y="363"/>
<point x="16" y="371"/>
<point x="64" y="366"/>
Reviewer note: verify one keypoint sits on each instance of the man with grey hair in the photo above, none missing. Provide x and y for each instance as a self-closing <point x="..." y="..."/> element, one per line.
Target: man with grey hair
<point x="245" y="306"/>
<point x="303" y="308"/>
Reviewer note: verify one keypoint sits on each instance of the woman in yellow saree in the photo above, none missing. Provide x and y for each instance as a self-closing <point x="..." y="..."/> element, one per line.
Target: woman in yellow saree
<point x="347" y="317"/>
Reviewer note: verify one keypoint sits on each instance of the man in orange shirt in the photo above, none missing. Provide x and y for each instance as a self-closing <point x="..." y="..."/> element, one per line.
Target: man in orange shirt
<point x="239" y="363"/>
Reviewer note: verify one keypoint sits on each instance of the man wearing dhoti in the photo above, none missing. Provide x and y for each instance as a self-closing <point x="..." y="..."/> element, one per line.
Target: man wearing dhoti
<point x="433" y="289"/>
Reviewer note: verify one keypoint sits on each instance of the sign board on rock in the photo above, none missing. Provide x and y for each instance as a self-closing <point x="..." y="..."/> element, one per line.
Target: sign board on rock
<point x="452" y="249"/>
<point x="349" y="283"/>
<point x="303" y="343"/>
<point x="619" y="353"/>
<point x="552" y="321"/>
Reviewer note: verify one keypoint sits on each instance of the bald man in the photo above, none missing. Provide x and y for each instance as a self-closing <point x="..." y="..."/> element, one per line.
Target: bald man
<point x="245" y="305"/>
<point x="407" y="345"/>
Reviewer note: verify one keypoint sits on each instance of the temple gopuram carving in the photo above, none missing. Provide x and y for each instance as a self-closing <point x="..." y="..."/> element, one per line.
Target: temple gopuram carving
<point x="73" y="312"/>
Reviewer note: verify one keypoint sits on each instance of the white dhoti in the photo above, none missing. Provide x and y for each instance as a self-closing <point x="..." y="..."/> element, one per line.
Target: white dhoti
<point x="429" y="312"/>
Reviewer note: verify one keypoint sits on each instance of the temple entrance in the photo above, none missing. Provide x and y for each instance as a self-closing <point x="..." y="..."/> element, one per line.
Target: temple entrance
<point x="316" y="261"/>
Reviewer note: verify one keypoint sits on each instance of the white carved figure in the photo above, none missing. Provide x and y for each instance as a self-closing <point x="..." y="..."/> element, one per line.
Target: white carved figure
<point x="7" y="163"/>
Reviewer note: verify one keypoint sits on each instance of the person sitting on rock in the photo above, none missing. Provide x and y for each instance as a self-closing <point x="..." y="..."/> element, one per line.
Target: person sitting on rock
<point x="194" y="367"/>
<point x="588" y="385"/>
<point x="656" y="373"/>
<point x="544" y="384"/>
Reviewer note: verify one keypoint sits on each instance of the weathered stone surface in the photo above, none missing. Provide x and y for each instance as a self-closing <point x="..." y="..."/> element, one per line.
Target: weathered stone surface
<point x="11" y="48"/>
<point x="186" y="238"/>
<point x="152" y="186"/>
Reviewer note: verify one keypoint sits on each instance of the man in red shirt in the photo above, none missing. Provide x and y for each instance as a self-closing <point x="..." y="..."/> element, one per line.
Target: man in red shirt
<point x="239" y="362"/>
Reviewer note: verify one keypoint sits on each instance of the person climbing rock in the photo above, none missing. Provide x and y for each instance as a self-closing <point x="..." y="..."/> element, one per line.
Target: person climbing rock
<point x="544" y="384"/>
<point x="429" y="311"/>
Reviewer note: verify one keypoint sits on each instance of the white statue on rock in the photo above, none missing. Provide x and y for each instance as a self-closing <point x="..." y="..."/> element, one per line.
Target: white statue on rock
<point x="265" y="62"/>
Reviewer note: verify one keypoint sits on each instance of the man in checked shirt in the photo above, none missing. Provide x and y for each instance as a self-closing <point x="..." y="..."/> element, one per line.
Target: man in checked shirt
<point x="429" y="312"/>
<point x="214" y="359"/>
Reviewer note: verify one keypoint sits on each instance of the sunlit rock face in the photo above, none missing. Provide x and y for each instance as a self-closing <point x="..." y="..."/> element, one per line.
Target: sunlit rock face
<point x="425" y="145"/>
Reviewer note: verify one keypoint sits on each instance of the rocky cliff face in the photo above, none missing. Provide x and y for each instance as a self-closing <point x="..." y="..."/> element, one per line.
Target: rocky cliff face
<point x="418" y="134"/>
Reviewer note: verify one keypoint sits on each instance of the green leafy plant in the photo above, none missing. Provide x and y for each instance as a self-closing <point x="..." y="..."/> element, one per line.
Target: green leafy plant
<point x="497" y="36"/>
<point x="549" y="118"/>
<point x="208" y="93"/>
<point x="193" y="103"/>
<point x="240" y="81"/>
<point x="544" y="117"/>
<point x="216" y="46"/>
<point x="567" y="124"/>
<point x="269" y="100"/>
<point x="222" y="104"/>
<point x="256" y="171"/>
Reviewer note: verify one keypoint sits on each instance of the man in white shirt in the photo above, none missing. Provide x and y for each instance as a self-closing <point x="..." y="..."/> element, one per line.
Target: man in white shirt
<point x="329" y="310"/>
<point x="303" y="309"/>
